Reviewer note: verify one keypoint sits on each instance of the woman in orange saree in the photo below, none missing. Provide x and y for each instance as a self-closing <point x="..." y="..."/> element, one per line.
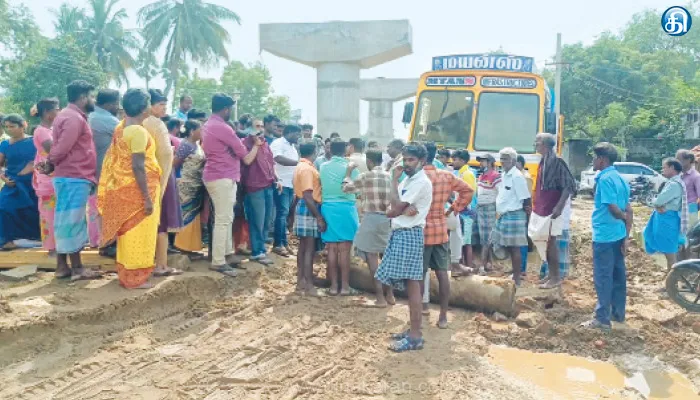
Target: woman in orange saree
<point x="128" y="196"/>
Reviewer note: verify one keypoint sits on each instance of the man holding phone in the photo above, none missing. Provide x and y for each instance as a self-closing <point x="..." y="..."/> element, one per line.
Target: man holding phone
<point x="260" y="183"/>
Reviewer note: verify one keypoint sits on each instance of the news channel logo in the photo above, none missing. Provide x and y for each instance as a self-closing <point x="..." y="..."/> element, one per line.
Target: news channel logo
<point x="676" y="21"/>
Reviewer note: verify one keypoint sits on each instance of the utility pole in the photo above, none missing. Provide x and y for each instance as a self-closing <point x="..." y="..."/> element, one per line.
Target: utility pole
<point x="557" y="82"/>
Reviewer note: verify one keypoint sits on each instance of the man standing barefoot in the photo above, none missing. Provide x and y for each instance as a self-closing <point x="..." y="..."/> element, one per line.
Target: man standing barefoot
<point x="402" y="264"/>
<point x="305" y="215"/>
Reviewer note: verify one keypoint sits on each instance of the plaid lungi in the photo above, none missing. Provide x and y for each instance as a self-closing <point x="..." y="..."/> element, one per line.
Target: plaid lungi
<point x="485" y="221"/>
<point x="510" y="230"/>
<point x="305" y="224"/>
<point x="564" y="256"/>
<point x="403" y="259"/>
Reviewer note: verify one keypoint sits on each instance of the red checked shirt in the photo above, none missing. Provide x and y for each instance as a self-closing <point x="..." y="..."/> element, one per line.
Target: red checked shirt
<point x="444" y="184"/>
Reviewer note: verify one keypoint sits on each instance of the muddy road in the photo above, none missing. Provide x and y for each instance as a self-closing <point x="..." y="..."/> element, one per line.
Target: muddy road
<point x="202" y="336"/>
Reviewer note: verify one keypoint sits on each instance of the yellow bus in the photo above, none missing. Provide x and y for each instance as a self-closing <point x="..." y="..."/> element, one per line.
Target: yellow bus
<point x="483" y="103"/>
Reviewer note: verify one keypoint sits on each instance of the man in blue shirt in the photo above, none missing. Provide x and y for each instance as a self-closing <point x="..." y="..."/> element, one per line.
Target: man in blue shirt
<point x="185" y="107"/>
<point x="611" y="221"/>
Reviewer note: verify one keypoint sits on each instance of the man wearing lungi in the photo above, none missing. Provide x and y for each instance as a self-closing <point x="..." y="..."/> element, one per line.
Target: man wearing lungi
<point x="554" y="186"/>
<point x="402" y="264"/>
<point x="305" y="216"/>
<point x="436" y="251"/>
<point x="486" y="205"/>
<point x="340" y="212"/>
<point x="73" y="161"/>
<point x="513" y="203"/>
<point x="374" y="186"/>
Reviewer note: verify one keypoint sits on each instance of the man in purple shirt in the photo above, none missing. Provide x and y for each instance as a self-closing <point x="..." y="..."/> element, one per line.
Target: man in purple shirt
<point x="73" y="161"/>
<point x="222" y="172"/>
<point x="260" y="183"/>
<point x="691" y="178"/>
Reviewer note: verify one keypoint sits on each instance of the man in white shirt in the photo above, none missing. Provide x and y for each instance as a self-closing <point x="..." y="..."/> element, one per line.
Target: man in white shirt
<point x="286" y="159"/>
<point x="512" y="205"/>
<point x="355" y="153"/>
<point x="402" y="265"/>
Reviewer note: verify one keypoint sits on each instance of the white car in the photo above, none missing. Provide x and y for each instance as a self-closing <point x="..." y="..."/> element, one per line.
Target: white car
<point x="629" y="172"/>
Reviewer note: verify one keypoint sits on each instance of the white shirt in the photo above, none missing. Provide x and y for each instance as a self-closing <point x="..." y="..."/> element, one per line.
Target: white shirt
<point x="417" y="191"/>
<point x="281" y="147"/>
<point x="360" y="160"/>
<point x="512" y="190"/>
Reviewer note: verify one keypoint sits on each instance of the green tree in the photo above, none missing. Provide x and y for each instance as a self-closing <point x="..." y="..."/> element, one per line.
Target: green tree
<point x="252" y="82"/>
<point x="190" y="30"/>
<point x="100" y="31"/>
<point x="69" y="21"/>
<point x="634" y="84"/>
<point x="47" y="71"/>
<point x="18" y="31"/>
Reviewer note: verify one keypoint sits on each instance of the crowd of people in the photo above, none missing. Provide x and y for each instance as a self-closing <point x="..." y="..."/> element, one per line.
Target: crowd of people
<point x="118" y="173"/>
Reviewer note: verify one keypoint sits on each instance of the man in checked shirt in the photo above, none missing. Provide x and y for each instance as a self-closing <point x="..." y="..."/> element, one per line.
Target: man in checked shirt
<point x="374" y="186"/>
<point x="436" y="240"/>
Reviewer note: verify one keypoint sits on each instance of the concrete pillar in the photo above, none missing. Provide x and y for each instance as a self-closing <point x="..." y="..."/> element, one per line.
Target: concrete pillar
<point x="381" y="121"/>
<point x="338" y="93"/>
<point x="381" y="93"/>
<point x="338" y="50"/>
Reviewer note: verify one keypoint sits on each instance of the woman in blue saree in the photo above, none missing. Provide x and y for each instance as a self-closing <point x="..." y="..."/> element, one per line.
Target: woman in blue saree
<point x="665" y="232"/>
<point x="19" y="207"/>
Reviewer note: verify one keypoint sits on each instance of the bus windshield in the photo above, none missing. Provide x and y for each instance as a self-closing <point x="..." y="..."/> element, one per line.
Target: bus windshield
<point x="507" y="120"/>
<point x="444" y="117"/>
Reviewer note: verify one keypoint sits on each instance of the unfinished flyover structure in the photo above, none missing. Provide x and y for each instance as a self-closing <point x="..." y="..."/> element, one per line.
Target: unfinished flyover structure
<point x="382" y="93"/>
<point x="339" y="50"/>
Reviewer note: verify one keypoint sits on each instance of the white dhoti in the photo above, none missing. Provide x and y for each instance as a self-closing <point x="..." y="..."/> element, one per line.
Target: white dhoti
<point x="541" y="229"/>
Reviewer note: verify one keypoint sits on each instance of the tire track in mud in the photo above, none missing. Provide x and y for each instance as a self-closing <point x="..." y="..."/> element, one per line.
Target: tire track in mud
<point x="209" y="338"/>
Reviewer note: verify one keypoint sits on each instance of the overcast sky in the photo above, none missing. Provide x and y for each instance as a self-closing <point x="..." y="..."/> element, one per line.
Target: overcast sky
<point x="440" y="27"/>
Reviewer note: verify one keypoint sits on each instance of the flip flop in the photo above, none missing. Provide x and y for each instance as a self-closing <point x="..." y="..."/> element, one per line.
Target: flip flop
<point x="407" y="344"/>
<point x="352" y="292"/>
<point x="226" y="270"/>
<point x="168" y="272"/>
<point x="441" y="324"/>
<point x="550" y="285"/>
<point x="67" y="275"/>
<point x="86" y="275"/>
<point x="334" y="294"/>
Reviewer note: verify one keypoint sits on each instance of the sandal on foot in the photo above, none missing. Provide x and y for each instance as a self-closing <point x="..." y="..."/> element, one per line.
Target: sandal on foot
<point x="167" y="272"/>
<point x="331" y="293"/>
<point x="85" y="275"/>
<point x="399" y="336"/>
<point x="550" y="285"/>
<point x="226" y="270"/>
<point x="442" y="324"/>
<point x="352" y="292"/>
<point x="595" y="324"/>
<point x="64" y="275"/>
<point x="407" y="344"/>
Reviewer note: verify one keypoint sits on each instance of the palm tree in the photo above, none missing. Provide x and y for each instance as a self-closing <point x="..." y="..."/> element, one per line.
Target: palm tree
<point x="189" y="30"/>
<point x="146" y="66"/>
<point x="105" y="34"/>
<point x="69" y="20"/>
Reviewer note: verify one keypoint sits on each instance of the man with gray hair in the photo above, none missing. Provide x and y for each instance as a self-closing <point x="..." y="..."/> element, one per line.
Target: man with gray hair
<point x="554" y="186"/>
<point x="512" y="207"/>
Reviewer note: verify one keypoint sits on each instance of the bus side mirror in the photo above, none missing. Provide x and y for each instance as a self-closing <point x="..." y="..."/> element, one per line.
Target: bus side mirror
<point x="407" y="113"/>
<point x="550" y="123"/>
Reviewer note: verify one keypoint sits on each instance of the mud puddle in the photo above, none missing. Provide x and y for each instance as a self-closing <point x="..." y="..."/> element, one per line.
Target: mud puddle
<point x="571" y="377"/>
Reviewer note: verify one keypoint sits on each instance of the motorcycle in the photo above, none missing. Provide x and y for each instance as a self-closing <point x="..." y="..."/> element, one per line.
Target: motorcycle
<point x="683" y="282"/>
<point x="642" y="190"/>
